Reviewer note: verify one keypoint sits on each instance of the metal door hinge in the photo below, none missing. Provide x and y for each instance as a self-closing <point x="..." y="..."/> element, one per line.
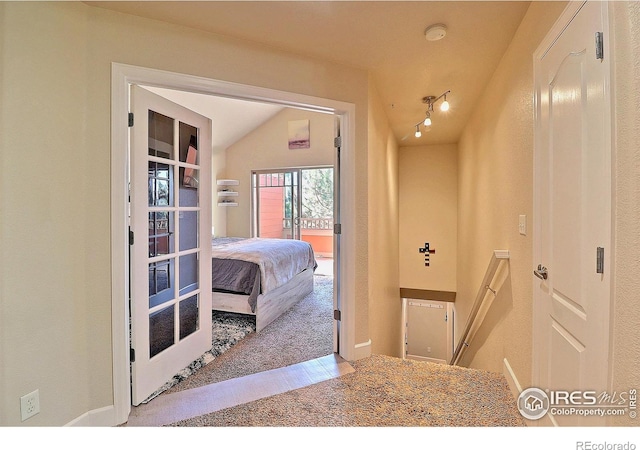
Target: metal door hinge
<point x="337" y="228"/>
<point x="337" y="315"/>
<point x="337" y="142"/>
<point x="130" y="119"/>
<point x="130" y="237"/>
<point x="132" y="355"/>
<point x="599" y="45"/>
<point x="600" y="260"/>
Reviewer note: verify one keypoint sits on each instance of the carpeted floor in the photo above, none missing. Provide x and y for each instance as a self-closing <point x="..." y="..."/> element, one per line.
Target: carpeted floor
<point x="382" y="392"/>
<point x="306" y="330"/>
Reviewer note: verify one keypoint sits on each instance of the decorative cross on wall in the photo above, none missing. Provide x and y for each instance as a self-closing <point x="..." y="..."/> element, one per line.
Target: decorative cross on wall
<point x="426" y="250"/>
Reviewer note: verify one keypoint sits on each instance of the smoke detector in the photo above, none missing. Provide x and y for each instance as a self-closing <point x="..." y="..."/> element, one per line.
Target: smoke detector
<point x="435" y="32"/>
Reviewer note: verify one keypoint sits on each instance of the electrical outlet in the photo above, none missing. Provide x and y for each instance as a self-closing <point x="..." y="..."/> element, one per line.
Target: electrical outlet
<point x="30" y="404"/>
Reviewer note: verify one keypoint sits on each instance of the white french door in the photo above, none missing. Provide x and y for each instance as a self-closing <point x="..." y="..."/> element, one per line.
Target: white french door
<point x="573" y="240"/>
<point x="170" y="222"/>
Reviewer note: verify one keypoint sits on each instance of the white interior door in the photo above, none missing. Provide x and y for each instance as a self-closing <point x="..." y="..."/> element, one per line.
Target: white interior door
<point x="573" y="212"/>
<point x="170" y="218"/>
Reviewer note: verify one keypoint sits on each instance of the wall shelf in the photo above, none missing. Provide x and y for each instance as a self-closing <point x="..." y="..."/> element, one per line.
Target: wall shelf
<point x="225" y="192"/>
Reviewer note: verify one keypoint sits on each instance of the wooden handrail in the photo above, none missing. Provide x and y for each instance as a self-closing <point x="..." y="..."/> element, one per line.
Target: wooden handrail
<point x="494" y="263"/>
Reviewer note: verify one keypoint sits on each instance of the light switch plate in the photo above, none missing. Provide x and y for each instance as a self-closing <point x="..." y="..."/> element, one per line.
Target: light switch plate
<point x="522" y="224"/>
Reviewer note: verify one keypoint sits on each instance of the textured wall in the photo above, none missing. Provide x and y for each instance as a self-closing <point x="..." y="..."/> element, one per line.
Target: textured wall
<point x="384" y="296"/>
<point x="626" y="306"/>
<point x="428" y="213"/>
<point x="495" y="186"/>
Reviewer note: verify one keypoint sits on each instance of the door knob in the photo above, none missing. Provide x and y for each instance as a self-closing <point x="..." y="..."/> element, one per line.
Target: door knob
<point x="541" y="272"/>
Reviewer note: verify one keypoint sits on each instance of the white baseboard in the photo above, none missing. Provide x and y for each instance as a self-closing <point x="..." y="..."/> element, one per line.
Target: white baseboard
<point x="514" y="384"/>
<point x="516" y="388"/>
<point x="102" y="417"/>
<point x="362" y="350"/>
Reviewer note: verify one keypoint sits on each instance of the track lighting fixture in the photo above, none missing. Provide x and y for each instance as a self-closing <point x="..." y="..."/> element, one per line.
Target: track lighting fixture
<point x="430" y="101"/>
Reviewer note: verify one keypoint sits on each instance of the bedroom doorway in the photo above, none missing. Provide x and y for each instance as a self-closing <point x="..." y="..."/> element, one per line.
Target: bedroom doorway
<point x="123" y="77"/>
<point x="296" y="203"/>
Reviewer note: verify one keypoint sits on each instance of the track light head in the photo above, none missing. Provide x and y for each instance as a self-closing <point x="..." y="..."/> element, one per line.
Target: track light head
<point x="445" y="104"/>
<point x="418" y="132"/>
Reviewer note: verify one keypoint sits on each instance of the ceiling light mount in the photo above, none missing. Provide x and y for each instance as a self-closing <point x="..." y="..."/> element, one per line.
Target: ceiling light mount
<point x="435" y="32"/>
<point x="429" y="99"/>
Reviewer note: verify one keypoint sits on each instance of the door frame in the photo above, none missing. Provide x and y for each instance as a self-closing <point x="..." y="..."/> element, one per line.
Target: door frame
<point x="122" y="76"/>
<point x="570" y="12"/>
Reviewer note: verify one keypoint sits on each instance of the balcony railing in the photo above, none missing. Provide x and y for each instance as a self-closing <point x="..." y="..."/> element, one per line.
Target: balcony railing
<point x="307" y="223"/>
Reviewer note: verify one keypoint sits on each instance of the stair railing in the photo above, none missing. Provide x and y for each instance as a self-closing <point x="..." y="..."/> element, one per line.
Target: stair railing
<point x="496" y="258"/>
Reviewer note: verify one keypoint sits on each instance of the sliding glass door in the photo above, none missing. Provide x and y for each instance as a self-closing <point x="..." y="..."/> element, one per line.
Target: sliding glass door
<point x="295" y="203"/>
<point x="277" y="200"/>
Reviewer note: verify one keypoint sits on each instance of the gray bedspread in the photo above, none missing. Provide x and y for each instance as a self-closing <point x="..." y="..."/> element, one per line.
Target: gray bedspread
<point x="256" y="265"/>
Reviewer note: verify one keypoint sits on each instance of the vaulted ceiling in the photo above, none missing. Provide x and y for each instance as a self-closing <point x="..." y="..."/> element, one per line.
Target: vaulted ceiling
<point x="385" y="38"/>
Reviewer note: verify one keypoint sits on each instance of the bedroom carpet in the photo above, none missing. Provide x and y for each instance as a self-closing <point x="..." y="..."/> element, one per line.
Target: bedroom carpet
<point x="382" y="392"/>
<point x="227" y="330"/>
<point x="307" y="330"/>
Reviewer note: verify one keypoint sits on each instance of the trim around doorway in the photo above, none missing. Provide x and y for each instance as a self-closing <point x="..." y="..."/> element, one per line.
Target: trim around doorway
<point x="125" y="75"/>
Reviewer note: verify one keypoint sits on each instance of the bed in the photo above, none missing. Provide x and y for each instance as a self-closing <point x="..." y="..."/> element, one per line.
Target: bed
<point x="261" y="277"/>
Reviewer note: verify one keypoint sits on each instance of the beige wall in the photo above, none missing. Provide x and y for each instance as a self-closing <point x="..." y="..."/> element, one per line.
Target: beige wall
<point x="54" y="222"/>
<point x="495" y="186"/>
<point x="428" y="185"/>
<point x="267" y="148"/>
<point x="218" y="214"/>
<point x="384" y="295"/>
<point x="626" y="307"/>
<point x="55" y="128"/>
